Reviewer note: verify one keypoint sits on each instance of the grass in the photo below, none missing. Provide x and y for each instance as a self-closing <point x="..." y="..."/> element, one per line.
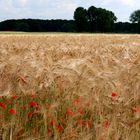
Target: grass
<point x="69" y="87"/>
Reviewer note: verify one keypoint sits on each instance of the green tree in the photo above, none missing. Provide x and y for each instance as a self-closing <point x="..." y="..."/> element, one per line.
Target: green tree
<point x="92" y="18"/>
<point x="135" y="18"/>
<point x="22" y="27"/>
<point x="101" y="20"/>
<point x="81" y="19"/>
<point x="105" y="20"/>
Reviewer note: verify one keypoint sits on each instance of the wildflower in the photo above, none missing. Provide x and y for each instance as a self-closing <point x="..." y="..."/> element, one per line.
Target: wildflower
<point x="49" y="131"/>
<point x="79" y="121"/>
<point x="113" y="94"/>
<point x="69" y="112"/>
<point x="80" y="111"/>
<point x="105" y="124"/>
<point x="77" y="100"/>
<point x="13" y="97"/>
<point x="52" y="122"/>
<point x="59" y="127"/>
<point x="2" y="104"/>
<point x="11" y="111"/>
<point x="32" y="104"/>
<point x="30" y="114"/>
<point x="136" y="109"/>
<point x="87" y="123"/>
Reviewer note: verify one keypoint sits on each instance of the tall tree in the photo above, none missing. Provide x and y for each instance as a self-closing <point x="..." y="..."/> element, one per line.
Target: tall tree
<point x="101" y="20"/>
<point x="81" y="20"/>
<point x="135" y="18"/>
<point x="92" y="18"/>
<point x="105" y="20"/>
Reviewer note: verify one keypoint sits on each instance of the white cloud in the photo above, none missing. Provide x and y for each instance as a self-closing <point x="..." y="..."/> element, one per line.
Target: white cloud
<point x="128" y="2"/>
<point x="23" y="2"/>
<point x="64" y="9"/>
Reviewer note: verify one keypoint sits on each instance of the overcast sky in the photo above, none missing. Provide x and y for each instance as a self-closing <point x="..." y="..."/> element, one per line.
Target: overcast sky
<point x="62" y="9"/>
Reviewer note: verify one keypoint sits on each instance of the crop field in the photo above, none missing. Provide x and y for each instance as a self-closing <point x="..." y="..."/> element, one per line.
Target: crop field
<point x="69" y="86"/>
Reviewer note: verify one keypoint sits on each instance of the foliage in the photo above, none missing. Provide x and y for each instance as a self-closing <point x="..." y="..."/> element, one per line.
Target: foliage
<point x="135" y="16"/>
<point x="81" y="19"/>
<point x="92" y="19"/>
<point x="101" y="20"/>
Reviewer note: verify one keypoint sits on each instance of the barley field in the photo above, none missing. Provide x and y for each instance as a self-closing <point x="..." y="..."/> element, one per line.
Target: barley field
<point x="69" y="86"/>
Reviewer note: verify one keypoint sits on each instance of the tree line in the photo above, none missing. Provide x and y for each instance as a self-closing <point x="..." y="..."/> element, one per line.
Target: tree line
<point x="91" y="20"/>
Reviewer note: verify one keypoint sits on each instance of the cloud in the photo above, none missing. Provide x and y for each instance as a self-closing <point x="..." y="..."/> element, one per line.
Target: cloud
<point x="54" y="9"/>
<point x="37" y="9"/>
<point x="128" y="2"/>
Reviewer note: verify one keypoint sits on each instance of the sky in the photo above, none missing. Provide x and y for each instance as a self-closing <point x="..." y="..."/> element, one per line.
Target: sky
<point x="62" y="9"/>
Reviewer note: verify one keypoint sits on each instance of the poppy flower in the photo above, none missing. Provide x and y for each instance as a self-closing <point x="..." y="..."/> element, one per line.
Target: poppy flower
<point x="113" y="94"/>
<point x="32" y="104"/>
<point x="136" y="109"/>
<point x="80" y="111"/>
<point x="52" y="122"/>
<point x="11" y="111"/>
<point x="30" y="114"/>
<point x="59" y="127"/>
<point x="13" y="97"/>
<point x="87" y="123"/>
<point x="2" y="104"/>
<point x="79" y="121"/>
<point x="69" y="112"/>
<point x="105" y="124"/>
<point x="77" y="100"/>
<point x="49" y="131"/>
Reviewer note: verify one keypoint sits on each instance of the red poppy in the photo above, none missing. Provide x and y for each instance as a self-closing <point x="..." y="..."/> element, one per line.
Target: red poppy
<point x="32" y="104"/>
<point x="2" y="104"/>
<point x="30" y="114"/>
<point x="77" y="100"/>
<point x="79" y="121"/>
<point x="52" y="122"/>
<point x="113" y="94"/>
<point x="80" y="111"/>
<point x="69" y="112"/>
<point x="59" y="127"/>
<point x="136" y="109"/>
<point x="105" y="124"/>
<point x="13" y="97"/>
<point x="87" y="123"/>
<point x="49" y="131"/>
<point x="11" y="111"/>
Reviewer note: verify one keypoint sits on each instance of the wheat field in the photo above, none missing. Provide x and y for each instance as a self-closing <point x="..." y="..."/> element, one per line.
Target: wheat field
<point x="69" y="87"/>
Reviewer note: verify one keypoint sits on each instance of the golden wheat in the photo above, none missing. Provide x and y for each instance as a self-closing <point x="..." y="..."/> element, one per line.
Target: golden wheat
<point x="75" y="65"/>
